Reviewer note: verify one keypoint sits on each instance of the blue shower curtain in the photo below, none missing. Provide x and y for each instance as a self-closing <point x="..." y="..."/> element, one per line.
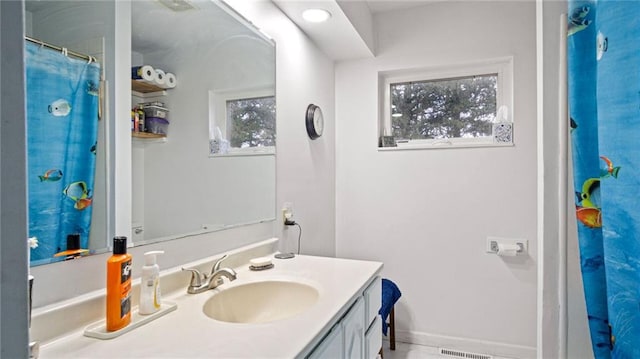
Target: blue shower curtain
<point x="62" y="130"/>
<point x="604" y="107"/>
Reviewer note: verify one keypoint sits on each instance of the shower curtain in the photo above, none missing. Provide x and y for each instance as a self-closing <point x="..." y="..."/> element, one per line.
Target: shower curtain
<point x="62" y="129"/>
<point x="603" y="49"/>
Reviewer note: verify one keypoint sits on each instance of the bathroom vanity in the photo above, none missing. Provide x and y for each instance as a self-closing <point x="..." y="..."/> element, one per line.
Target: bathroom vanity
<point x="304" y="307"/>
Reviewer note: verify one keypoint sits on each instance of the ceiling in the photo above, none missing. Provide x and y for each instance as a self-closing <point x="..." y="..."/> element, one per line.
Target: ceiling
<point x="378" y="6"/>
<point x="336" y="37"/>
<point x="349" y="33"/>
<point x="206" y="23"/>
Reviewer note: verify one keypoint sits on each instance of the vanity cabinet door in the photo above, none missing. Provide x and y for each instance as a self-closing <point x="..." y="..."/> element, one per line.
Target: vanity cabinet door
<point x="373" y="339"/>
<point x="331" y="346"/>
<point x="372" y="300"/>
<point x="346" y="340"/>
<point x="353" y="326"/>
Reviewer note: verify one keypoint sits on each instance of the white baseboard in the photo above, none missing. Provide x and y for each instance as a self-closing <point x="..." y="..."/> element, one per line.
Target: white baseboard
<point x="466" y="344"/>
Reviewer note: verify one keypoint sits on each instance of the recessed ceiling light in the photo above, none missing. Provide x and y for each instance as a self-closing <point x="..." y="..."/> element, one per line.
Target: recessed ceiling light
<point x="396" y="115"/>
<point x="316" y="15"/>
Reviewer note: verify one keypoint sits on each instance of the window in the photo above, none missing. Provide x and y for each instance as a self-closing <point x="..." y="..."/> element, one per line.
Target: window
<point x="459" y="106"/>
<point x="251" y="122"/>
<point x="242" y="123"/>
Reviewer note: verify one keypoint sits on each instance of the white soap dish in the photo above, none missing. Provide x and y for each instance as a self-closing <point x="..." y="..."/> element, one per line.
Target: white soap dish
<point x="98" y="330"/>
<point x="260" y="262"/>
<point x="256" y="268"/>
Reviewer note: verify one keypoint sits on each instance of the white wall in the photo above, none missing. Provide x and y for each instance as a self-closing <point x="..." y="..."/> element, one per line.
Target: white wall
<point x="305" y="169"/>
<point x="426" y="214"/>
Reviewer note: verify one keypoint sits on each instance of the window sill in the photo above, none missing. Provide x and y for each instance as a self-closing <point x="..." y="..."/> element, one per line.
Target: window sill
<point x="245" y="152"/>
<point x="443" y="145"/>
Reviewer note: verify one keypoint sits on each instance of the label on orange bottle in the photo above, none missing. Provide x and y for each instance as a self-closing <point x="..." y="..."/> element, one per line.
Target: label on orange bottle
<point x="125" y="295"/>
<point x="125" y="271"/>
<point x="125" y="306"/>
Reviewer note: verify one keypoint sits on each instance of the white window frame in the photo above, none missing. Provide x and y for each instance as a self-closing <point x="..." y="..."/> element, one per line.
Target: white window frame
<point x="503" y="67"/>
<point x="218" y="118"/>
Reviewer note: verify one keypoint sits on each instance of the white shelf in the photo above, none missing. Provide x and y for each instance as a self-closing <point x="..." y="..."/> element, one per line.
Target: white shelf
<point x="98" y="330"/>
<point x="144" y="138"/>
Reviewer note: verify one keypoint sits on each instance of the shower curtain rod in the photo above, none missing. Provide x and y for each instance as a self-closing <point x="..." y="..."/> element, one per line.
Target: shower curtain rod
<point x="64" y="50"/>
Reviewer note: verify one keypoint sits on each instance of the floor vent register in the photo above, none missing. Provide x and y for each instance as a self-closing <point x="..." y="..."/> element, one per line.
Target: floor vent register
<point x="462" y="354"/>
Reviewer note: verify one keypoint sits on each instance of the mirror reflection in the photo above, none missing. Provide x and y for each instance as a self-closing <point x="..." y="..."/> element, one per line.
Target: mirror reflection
<point x="65" y="57"/>
<point x="182" y="183"/>
<point x="223" y="70"/>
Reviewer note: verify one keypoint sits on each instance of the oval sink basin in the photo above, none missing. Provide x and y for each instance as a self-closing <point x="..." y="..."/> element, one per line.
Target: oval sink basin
<point x="260" y="302"/>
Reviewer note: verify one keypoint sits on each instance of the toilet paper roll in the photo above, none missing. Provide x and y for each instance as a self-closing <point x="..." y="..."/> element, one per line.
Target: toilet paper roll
<point x="169" y="81"/>
<point x="507" y="250"/>
<point x="144" y="73"/>
<point x="160" y="77"/>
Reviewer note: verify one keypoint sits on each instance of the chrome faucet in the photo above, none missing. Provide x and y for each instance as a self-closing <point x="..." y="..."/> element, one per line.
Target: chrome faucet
<point x="202" y="282"/>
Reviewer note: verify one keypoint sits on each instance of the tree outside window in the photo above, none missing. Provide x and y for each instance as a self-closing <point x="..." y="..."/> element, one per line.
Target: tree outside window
<point x="251" y="122"/>
<point x="446" y="108"/>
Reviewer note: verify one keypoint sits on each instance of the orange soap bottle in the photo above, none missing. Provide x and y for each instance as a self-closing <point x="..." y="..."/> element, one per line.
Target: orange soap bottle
<point x="118" y="286"/>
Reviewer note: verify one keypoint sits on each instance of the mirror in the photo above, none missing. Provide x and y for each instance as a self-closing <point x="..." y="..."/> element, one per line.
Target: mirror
<point x="63" y="201"/>
<point x="179" y="186"/>
<point x="224" y="70"/>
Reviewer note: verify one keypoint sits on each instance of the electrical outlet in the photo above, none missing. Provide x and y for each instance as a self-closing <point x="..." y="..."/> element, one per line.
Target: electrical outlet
<point x="287" y="211"/>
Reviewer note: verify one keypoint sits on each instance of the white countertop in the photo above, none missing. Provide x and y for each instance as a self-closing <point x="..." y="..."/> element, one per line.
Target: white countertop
<point x="188" y="332"/>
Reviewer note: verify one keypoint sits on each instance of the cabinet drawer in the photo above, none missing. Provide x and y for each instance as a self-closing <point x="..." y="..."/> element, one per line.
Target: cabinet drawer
<point x="372" y="300"/>
<point x="373" y="339"/>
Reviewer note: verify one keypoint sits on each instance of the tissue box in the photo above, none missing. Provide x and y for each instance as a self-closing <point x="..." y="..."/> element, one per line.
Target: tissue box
<point x="157" y="125"/>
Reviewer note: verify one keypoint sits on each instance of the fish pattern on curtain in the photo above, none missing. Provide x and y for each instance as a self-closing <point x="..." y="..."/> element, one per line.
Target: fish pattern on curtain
<point x="62" y="130"/>
<point x="604" y="108"/>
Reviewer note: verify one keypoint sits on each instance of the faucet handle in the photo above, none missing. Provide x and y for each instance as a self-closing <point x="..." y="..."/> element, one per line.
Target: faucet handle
<point x="216" y="265"/>
<point x="196" y="277"/>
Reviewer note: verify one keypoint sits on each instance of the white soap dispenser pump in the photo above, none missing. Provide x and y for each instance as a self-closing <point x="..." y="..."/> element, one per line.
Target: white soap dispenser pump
<point x="150" y="299"/>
